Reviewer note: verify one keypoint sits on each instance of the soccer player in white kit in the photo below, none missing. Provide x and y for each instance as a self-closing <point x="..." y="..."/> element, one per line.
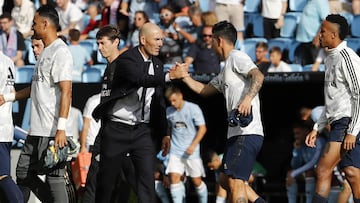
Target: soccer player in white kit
<point x="7" y="95"/>
<point x="50" y="94"/>
<point x="239" y="81"/>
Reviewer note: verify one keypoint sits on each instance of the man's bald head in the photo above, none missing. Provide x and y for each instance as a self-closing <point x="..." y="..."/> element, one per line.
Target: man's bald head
<point x="148" y="29"/>
<point x="150" y="39"/>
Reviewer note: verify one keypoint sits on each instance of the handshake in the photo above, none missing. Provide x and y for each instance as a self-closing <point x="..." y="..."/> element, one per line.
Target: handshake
<point x="179" y="71"/>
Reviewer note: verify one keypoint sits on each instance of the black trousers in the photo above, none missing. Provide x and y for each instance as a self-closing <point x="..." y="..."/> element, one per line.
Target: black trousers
<point x="123" y="185"/>
<point x="117" y="141"/>
<point x="270" y="31"/>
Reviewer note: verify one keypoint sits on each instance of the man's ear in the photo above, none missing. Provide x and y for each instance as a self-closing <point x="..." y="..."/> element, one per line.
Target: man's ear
<point x="117" y="41"/>
<point x="142" y="40"/>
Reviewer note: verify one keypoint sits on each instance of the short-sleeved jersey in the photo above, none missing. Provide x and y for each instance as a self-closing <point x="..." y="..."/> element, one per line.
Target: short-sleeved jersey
<point x="7" y="80"/>
<point x="53" y="66"/>
<point x="183" y="128"/>
<point x="233" y="83"/>
<point x="94" y="126"/>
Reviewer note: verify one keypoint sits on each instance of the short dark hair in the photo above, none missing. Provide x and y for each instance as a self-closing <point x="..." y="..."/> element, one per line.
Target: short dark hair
<point x="110" y="31"/>
<point x="262" y="45"/>
<point x="74" y="35"/>
<point x="172" y="89"/>
<point x="341" y="22"/>
<point x="6" y="15"/>
<point x="49" y="12"/>
<point x="275" y="49"/>
<point x="225" y="30"/>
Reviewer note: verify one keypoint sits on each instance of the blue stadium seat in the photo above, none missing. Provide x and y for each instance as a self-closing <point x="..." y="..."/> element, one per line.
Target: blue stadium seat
<point x="258" y="28"/>
<point x="30" y="53"/>
<point x="296" y="67"/>
<point x="292" y="47"/>
<point x="100" y="67"/>
<point x="25" y="124"/>
<point x="355" y="26"/>
<point x="349" y="17"/>
<point x="282" y="43"/>
<point x="88" y="45"/>
<point x="250" y="46"/>
<point x="24" y="74"/>
<point x="91" y="75"/>
<point x="353" y="43"/>
<point x="297" y="5"/>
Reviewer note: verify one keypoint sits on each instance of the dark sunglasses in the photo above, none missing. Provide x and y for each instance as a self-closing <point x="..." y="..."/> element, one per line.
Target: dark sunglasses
<point x="205" y="35"/>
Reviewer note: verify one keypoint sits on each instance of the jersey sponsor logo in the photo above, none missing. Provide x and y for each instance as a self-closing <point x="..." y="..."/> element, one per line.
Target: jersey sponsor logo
<point x="10" y="81"/>
<point x="180" y="124"/>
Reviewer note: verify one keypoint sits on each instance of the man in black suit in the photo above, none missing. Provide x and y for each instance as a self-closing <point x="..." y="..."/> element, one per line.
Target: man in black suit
<point x="132" y="109"/>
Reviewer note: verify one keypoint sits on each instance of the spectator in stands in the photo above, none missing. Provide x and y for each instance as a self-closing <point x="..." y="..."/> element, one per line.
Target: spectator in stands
<point x="303" y="162"/>
<point x="139" y="20"/>
<point x="180" y="7"/>
<point x="319" y="59"/>
<point x="345" y="6"/>
<point x="191" y="33"/>
<point x="273" y="12"/>
<point x="312" y="16"/>
<point x="80" y="54"/>
<point x="129" y="8"/>
<point x="233" y="12"/>
<point x="213" y="161"/>
<point x="171" y="50"/>
<point x="262" y="61"/>
<point x="37" y="46"/>
<point x="12" y="43"/>
<point x="202" y="55"/>
<point x="355" y="7"/>
<point x="110" y="13"/>
<point x="22" y="14"/>
<point x="277" y="65"/>
<point x="70" y="16"/>
<point x="209" y="18"/>
<point x="94" y="21"/>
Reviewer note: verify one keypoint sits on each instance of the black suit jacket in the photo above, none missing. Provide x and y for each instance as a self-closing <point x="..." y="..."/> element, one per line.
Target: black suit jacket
<point x="130" y="74"/>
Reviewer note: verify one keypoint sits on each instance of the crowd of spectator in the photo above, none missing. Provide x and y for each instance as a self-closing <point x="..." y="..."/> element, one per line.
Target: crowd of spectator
<point x="182" y="22"/>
